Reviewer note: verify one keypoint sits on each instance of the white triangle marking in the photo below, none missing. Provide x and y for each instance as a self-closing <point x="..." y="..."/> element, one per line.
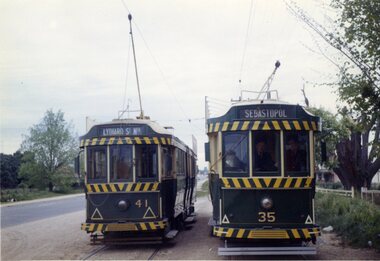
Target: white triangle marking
<point x="96" y="212"/>
<point x="225" y="220"/>
<point x="150" y="212"/>
<point x="308" y="220"/>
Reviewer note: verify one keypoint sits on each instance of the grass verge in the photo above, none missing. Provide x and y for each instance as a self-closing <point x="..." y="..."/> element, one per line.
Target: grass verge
<point x="355" y="220"/>
<point x="15" y="195"/>
<point x="203" y="191"/>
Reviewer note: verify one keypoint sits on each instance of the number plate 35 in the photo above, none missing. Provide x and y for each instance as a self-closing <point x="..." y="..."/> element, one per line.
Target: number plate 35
<point x="267" y="217"/>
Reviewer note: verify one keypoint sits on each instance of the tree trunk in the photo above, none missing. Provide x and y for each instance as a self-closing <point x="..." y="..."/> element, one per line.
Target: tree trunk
<point x="51" y="186"/>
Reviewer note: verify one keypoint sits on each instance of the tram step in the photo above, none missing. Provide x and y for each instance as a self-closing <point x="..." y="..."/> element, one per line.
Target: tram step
<point x="171" y="234"/>
<point x="259" y="251"/>
<point x="190" y="219"/>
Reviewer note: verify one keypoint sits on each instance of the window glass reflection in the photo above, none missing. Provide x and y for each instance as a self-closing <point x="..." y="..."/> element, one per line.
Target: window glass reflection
<point x="235" y="160"/>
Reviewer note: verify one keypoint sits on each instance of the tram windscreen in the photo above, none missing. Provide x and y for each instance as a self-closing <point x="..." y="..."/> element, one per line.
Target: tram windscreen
<point x="121" y="157"/>
<point x="296" y="154"/>
<point x="266" y="153"/>
<point x="235" y="150"/>
<point x="96" y="164"/>
<point x="146" y="162"/>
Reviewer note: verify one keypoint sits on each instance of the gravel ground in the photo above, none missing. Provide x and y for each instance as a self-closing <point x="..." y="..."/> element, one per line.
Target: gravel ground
<point x="61" y="238"/>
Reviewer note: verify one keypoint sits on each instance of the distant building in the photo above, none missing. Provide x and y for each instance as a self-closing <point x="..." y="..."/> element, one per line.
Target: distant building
<point x="326" y="176"/>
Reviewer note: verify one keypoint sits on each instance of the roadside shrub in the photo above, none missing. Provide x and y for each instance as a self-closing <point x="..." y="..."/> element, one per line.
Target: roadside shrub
<point x="355" y="220"/>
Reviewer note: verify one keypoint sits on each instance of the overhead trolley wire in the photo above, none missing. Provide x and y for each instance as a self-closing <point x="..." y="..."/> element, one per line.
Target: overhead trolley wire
<point x="246" y="41"/>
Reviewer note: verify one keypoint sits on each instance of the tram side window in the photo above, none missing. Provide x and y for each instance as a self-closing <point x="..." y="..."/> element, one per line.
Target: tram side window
<point x="97" y="164"/>
<point x="180" y="162"/>
<point x="166" y="162"/>
<point x="235" y="150"/>
<point x="121" y="162"/>
<point x="266" y="153"/>
<point x="296" y="153"/>
<point x="146" y="162"/>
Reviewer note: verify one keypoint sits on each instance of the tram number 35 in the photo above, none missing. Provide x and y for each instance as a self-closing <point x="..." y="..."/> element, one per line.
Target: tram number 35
<point x="267" y="217"/>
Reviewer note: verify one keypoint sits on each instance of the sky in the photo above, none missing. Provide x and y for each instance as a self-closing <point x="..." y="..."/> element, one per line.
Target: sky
<point x="75" y="56"/>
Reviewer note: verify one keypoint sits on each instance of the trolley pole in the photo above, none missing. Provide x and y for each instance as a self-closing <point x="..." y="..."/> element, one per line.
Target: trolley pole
<point x="134" y="58"/>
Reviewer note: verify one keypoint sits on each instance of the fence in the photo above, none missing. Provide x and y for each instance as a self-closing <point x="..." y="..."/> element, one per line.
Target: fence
<point x="341" y="192"/>
<point x="370" y="195"/>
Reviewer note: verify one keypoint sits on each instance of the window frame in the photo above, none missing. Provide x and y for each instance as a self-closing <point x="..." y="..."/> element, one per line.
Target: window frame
<point x="232" y="174"/>
<point x="112" y="179"/>
<point x="155" y="178"/>
<point x="275" y="173"/>
<point x="89" y="151"/>
<point x="307" y="172"/>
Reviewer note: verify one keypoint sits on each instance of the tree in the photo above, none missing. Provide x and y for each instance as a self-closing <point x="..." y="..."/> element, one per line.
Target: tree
<point x="355" y="34"/>
<point x="49" y="150"/>
<point x="9" y="169"/>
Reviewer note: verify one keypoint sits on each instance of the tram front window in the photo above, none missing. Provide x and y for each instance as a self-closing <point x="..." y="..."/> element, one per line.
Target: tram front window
<point x="266" y="153"/>
<point x="121" y="162"/>
<point x="235" y="149"/>
<point x="296" y="154"/>
<point x="96" y="164"/>
<point x="146" y="162"/>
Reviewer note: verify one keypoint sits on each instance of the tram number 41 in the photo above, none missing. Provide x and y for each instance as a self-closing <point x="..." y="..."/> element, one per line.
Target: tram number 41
<point x="267" y="217"/>
<point x="141" y="202"/>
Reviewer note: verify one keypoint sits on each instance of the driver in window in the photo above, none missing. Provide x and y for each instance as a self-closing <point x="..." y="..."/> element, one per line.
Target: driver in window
<point x="263" y="160"/>
<point x="295" y="158"/>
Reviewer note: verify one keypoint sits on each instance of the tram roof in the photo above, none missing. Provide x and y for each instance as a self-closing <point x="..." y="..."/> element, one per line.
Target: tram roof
<point x="265" y="111"/>
<point x="147" y="129"/>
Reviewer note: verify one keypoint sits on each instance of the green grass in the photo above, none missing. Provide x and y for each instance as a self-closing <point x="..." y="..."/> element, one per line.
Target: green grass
<point x="15" y="195"/>
<point x="204" y="191"/>
<point x="355" y="220"/>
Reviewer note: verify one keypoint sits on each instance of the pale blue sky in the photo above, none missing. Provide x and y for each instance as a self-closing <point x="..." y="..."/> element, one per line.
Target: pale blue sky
<point x="72" y="55"/>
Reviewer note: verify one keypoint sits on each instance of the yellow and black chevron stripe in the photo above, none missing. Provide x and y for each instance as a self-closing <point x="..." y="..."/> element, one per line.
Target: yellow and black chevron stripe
<point x="267" y="183"/>
<point x="291" y="233"/>
<point x="262" y="125"/>
<point x="123" y="187"/>
<point x="141" y="226"/>
<point x="125" y="140"/>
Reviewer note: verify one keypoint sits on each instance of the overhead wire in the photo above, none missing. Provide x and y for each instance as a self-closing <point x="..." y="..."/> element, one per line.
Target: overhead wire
<point x="246" y="41"/>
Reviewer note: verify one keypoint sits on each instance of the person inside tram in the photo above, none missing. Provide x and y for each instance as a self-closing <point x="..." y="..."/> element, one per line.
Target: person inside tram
<point x="295" y="157"/>
<point x="263" y="159"/>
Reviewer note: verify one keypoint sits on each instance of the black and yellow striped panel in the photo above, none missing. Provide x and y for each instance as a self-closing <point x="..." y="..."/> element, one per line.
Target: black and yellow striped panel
<point x="123" y="187"/>
<point x="262" y="125"/>
<point x="141" y="226"/>
<point x="125" y="140"/>
<point x="267" y="183"/>
<point x="291" y="233"/>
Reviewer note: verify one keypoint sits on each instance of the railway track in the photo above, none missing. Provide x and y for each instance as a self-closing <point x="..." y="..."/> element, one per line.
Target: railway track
<point x="96" y="251"/>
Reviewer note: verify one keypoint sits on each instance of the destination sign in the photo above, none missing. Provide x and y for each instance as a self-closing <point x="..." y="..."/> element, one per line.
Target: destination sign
<point x="120" y="131"/>
<point x="266" y="113"/>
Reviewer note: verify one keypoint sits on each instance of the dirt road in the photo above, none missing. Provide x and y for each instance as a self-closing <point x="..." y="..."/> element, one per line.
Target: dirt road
<point x="61" y="238"/>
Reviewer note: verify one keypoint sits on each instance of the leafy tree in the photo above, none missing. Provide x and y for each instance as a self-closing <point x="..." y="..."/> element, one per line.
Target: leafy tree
<point x="9" y="169"/>
<point x="355" y="34"/>
<point x="51" y="148"/>
<point x="333" y="130"/>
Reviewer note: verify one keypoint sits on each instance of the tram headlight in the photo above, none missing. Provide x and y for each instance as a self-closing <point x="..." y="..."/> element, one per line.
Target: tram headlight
<point x="267" y="203"/>
<point x="123" y="205"/>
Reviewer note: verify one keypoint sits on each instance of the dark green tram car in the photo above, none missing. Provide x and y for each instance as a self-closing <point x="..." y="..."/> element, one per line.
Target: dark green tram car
<point x="262" y="178"/>
<point x="139" y="181"/>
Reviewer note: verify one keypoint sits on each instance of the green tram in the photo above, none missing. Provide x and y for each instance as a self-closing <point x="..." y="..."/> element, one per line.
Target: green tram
<point x="262" y="178"/>
<point x="139" y="182"/>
